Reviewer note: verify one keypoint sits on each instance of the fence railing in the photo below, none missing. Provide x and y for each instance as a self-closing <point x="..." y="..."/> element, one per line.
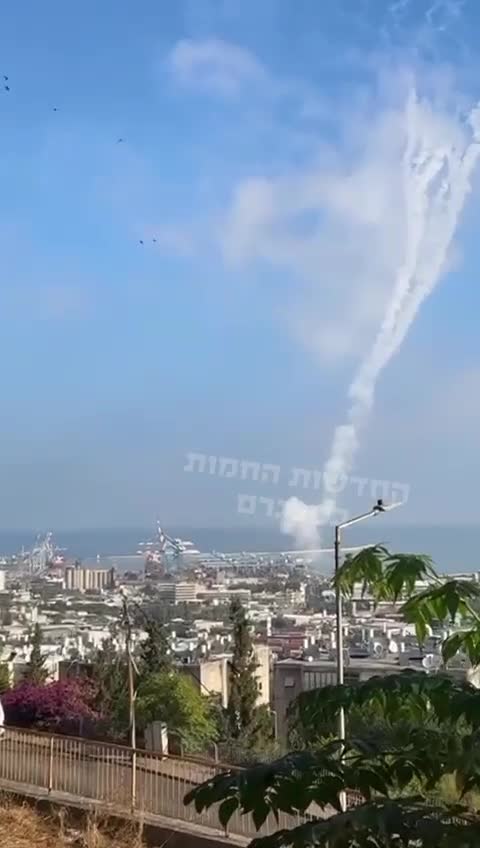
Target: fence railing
<point x="122" y="779"/>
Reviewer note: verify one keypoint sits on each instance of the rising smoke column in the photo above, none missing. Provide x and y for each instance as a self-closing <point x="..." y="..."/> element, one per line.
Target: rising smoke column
<point x="436" y="173"/>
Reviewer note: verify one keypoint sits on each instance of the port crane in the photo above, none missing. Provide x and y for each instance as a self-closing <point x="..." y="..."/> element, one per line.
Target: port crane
<point x="164" y="548"/>
<point x="163" y="543"/>
<point x="41" y="555"/>
<point x="159" y="550"/>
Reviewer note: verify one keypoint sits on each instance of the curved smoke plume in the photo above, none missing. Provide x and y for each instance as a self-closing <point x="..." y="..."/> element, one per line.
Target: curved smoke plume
<point x="439" y="154"/>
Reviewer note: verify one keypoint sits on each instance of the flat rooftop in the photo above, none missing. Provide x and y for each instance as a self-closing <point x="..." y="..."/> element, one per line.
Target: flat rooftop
<point x="354" y="662"/>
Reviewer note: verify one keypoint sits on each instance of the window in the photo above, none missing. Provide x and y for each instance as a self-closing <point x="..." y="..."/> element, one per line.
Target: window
<point x="317" y="679"/>
<point x="289" y="683"/>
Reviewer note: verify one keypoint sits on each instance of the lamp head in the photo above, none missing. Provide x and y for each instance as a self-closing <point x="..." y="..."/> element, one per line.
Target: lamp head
<point x="379" y="506"/>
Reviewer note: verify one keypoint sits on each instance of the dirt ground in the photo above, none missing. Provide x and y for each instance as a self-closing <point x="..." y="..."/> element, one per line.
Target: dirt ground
<point x="22" y="826"/>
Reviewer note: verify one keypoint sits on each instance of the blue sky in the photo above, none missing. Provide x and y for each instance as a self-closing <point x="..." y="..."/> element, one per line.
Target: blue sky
<point x="222" y="337"/>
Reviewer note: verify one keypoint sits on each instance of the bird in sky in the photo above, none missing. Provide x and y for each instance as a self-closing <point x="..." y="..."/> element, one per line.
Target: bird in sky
<point x="154" y="241"/>
<point x="120" y="140"/>
<point x="141" y="242"/>
<point x="5" y="78"/>
<point x="55" y="109"/>
<point x="7" y="88"/>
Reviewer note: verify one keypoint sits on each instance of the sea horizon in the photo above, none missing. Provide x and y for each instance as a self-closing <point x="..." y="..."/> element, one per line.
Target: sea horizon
<point x="453" y="548"/>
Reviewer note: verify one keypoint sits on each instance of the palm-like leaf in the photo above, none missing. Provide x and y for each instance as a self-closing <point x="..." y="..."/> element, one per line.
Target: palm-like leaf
<point x="386" y="576"/>
<point x="365" y="568"/>
<point x="439" y="603"/>
<point x="401" y="572"/>
<point x="467" y="641"/>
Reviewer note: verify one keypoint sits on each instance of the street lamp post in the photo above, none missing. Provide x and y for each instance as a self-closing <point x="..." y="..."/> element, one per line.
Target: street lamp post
<point x="379" y="508"/>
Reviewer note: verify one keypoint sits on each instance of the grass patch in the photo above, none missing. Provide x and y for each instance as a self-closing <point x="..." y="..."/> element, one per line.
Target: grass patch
<point x="24" y="826"/>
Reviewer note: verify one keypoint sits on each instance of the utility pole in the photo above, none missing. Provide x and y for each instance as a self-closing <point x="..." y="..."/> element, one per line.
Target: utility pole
<point x="131" y="695"/>
<point x="127" y="623"/>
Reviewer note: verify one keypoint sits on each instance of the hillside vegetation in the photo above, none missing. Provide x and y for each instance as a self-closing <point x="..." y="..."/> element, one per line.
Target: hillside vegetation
<point x="22" y="826"/>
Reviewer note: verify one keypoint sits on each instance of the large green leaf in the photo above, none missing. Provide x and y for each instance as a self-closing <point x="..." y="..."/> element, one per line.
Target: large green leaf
<point x="421" y="694"/>
<point x="295" y="782"/>
<point x="227" y="809"/>
<point x="401" y="572"/>
<point x="448" y="600"/>
<point x="404" y="822"/>
<point x="443" y="716"/>
<point x="365" y="568"/>
<point x="384" y="575"/>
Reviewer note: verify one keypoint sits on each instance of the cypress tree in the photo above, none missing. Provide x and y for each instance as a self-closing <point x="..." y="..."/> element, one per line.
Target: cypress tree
<point x="36" y="671"/>
<point x="155" y="649"/>
<point x="247" y="723"/>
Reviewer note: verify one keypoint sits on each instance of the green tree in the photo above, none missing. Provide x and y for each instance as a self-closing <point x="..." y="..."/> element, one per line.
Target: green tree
<point x="155" y="649"/>
<point x="36" y="671"/>
<point x="4" y="678"/>
<point x="174" y="699"/>
<point x="398" y="778"/>
<point x="395" y="787"/>
<point x="248" y="726"/>
<point x="109" y="672"/>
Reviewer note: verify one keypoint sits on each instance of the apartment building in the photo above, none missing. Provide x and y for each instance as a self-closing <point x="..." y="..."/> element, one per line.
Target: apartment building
<point x="293" y="676"/>
<point x="211" y="675"/>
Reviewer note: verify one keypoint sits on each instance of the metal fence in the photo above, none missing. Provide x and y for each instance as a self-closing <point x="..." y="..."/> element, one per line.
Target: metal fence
<point x="122" y="780"/>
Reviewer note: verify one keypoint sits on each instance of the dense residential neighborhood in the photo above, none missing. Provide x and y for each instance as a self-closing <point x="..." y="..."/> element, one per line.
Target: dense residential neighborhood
<point x="69" y="619"/>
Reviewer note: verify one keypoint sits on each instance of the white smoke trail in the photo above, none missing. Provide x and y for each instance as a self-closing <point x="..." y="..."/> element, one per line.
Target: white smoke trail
<point x="436" y="171"/>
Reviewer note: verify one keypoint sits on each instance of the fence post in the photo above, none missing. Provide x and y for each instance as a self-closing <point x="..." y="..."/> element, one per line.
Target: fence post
<point x="50" y="765"/>
<point x="134" y="780"/>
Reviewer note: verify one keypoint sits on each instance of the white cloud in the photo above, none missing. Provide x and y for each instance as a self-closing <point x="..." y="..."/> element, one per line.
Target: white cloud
<point x="332" y="226"/>
<point x="221" y="68"/>
<point x="214" y="65"/>
<point x="336" y="226"/>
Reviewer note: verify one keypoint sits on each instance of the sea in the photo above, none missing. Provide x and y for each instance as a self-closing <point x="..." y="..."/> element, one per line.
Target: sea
<point x="452" y="548"/>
